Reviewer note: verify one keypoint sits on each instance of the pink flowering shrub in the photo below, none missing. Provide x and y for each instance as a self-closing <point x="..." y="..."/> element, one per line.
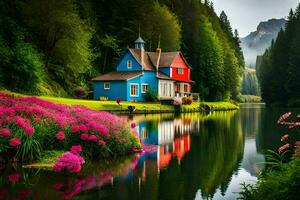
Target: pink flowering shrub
<point x="177" y="101"/>
<point x="70" y="161"/>
<point x="289" y="145"/>
<point x="29" y="125"/>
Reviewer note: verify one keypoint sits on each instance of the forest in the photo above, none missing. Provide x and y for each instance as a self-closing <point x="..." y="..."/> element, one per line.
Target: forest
<point x="278" y="69"/>
<point x="53" y="47"/>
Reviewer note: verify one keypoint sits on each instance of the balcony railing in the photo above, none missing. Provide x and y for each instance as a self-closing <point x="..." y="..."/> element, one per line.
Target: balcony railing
<point x="195" y="96"/>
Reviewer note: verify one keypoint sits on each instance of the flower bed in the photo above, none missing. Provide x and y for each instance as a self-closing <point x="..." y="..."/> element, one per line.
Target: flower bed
<point x="29" y="126"/>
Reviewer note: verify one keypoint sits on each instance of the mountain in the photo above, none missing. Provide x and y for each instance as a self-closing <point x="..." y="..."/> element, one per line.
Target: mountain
<point x="258" y="41"/>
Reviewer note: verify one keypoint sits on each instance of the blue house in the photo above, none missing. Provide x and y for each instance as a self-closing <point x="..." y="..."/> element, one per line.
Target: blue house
<point x="165" y="73"/>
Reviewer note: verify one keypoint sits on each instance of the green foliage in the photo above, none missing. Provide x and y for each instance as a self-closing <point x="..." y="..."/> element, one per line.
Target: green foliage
<point x="276" y="185"/>
<point x="151" y="96"/>
<point x="63" y="37"/>
<point x="66" y="43"/>
<point x="211" y="69"/>
<point x="278" y="70"/>
<point x="274" y="160"/>
<point x="164" y="25"/>
<point x="21" y="64"/>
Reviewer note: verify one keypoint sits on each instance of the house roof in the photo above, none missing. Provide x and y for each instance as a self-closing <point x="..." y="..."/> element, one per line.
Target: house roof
<point x="117" y="76"/>
<point x="147" y="65"/>
<point x="150" y="59"/>
<point x="140" y="40"/>
<point x="163" y="76"/>
<point x="166" y="58"/>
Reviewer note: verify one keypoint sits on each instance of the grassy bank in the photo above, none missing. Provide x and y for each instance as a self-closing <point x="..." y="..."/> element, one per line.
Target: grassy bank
<point x="142" y="106"/>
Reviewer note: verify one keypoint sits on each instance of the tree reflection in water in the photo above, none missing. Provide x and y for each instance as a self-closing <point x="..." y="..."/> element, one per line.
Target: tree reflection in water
<point x="197" y="155"/>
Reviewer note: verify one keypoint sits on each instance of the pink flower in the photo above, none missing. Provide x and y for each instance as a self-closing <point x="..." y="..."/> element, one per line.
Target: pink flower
<point x="69" y="161"/>
<point x="297" y="143"/>
<point x="37" y="120"/>
<point x="284" y="117"/>
<point x="283" y="148"/>
<point x="60" y="135"/>
<point x="84" y="136"/>
<point x="93" y="138"/>
<point x="29" y="130"/>
<point x="14" y="142"/>
<point x="3" y="193"/>
<point x="82" y="127"/>
<point x="76" y="149"/>
<point x="135" y="150"/>
<point x="24" y="193"/>
<point x="101" y="143"/>
<point x="5" y="132"/>
<point x="75" y="128"/>
<point x="103" y="130"/>
<point x="118" y="100"/>
<point x="14" y="178"/>
<point x="133" y="125"/>
<point x="285" y="138"/>
<point x="58" y="185"/>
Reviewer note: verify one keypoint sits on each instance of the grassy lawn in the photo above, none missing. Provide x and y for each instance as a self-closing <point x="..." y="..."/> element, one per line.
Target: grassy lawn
<point x="140" y="106"/>
<point x="108" y="105"/>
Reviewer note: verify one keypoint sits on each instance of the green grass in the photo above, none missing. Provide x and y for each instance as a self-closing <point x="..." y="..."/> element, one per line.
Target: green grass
<point x="140" y="106"/>
<point x="47" y="160"/>
<point x="108" y="105"/>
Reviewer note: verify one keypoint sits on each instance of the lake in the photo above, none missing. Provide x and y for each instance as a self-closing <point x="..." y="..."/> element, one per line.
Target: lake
<point x="197" y="156"/>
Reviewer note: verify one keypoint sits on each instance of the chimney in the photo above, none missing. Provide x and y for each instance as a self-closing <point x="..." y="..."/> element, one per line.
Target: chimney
<point x="142" y="57"/>
<point x="158" y="51"/>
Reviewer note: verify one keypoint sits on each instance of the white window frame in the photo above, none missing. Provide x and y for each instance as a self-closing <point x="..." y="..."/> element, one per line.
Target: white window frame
<point x="144" y="84"/>
<point x="129" y="64"/>
<point x="180" y="71"/>
<point x="104" y="86"/>
<point x="137" y="90"/>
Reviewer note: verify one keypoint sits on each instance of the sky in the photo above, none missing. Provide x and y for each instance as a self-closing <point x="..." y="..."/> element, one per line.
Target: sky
<point x="245" y="15"/>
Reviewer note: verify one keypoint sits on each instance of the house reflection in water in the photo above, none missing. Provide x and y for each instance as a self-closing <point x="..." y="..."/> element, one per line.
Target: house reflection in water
<point x="172" y="137"/>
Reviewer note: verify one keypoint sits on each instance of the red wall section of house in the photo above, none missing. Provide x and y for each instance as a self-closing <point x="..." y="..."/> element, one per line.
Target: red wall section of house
<point x="178" y="62"/>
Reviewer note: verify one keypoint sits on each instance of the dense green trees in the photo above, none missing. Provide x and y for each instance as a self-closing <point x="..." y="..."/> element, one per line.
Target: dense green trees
<point x="211" y="48"/>
<point x="210" y="60"/>
<point x="278" y="69"/>
<point x="68" y="42"/>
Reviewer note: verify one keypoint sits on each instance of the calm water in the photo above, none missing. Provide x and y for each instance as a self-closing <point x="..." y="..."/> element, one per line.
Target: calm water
<point x="198" y="156"/>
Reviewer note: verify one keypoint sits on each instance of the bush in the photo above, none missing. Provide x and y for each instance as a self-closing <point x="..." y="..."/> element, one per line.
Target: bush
<point x="29" y="126"/>
<point x="151" y="96"/>
<point x="177" y="101"/>
<point x="187" y="100"/>
<point x="276" y="185"/>
<point x="80" y="92"/>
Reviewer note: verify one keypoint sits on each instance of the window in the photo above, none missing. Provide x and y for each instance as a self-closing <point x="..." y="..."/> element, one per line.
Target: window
<point x="177" y="87"/>
<point x="145" y="88"/>
<point x="129" y="64"/>
<point x="186" y="88"/>
<point x="134" y="90"/>
<point x="179" y="71"/>
<point x="107" y="86"/>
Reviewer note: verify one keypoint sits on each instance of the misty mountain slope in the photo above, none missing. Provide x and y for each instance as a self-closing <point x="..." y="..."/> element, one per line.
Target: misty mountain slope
<point x="258" y="41"/>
